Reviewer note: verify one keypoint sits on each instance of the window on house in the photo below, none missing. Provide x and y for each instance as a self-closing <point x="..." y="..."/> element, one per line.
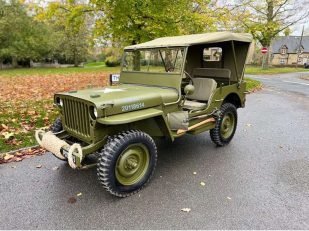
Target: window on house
<point x="283" y="50"/>
<point x="282" y="61"/>
<point x="211" y="54"/>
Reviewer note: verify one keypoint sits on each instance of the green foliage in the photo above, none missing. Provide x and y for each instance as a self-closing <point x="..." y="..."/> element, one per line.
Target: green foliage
<point x="112" y="61"/>
<point x="70" y="23"/>
<point x="265" y="19"/>
<point x="253" y="85"/>
<point x="135" y="21"/>
<point x="21" y="37"/>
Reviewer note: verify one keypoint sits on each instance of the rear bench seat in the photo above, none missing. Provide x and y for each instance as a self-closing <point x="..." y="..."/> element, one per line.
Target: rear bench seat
<point x="217" y="74"/>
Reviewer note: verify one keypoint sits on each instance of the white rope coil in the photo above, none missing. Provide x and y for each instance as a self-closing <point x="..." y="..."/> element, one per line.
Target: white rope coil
<point x="51" y="142"/>
<point x="78" y="153"/>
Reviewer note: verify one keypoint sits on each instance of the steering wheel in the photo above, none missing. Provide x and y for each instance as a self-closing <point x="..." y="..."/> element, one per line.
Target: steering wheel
<point x="190" y="77"/>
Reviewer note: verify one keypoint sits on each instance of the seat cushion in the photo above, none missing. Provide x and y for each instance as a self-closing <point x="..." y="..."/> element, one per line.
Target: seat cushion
<point x="194" y="105"/>
<point x="204" y="88"/>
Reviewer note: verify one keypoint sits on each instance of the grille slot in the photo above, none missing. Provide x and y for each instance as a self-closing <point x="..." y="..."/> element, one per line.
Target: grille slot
<point x="76" y="116"/>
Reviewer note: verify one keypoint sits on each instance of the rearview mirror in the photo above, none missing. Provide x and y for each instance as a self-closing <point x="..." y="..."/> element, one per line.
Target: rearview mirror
<point x="189" y="89"/>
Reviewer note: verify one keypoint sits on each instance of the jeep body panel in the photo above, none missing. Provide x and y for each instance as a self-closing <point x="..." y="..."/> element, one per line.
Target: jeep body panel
<point x="147" y="93"/>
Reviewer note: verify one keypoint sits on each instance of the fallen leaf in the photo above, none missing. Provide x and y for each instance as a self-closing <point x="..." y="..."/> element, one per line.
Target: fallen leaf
<point x="18" y="154"/>
<point x="39" y="166"/>
<point x="194" y="173"/>
<point x="229" y="198"/>
<point x="8" y="156"/>
<point x="55" y="168"/>
<point x="186" y="210"/>
<point x="8" y="135"/>
<point x="4" y="126"/>
<point x="79" y="194"/>
<point x="72" y="200"/>
<point x="18" y="159"/>
<point x="202" y="183"/>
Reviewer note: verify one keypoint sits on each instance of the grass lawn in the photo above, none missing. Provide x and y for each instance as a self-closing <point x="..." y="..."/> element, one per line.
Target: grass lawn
<point x="26" y="98"/>
<point x="95" y="64"/>
<point x="253" y="85"/>
<point x="255" y="70"/>
<point x="90" y="68"/>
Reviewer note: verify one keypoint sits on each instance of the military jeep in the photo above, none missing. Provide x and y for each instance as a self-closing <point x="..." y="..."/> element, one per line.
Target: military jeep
<point x="168" y="87"/>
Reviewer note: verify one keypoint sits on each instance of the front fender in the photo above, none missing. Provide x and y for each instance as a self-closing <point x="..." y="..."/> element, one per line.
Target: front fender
<point x="141" y="119"/>
<point x="129" y="117"/>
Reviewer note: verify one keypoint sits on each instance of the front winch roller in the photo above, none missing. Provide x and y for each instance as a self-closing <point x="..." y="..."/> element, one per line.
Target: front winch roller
<point x="55" y="145"/>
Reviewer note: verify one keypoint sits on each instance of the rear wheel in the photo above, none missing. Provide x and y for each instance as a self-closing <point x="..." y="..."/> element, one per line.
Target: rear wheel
<point x="226" y="125"/>
<point x="127" y="163"/>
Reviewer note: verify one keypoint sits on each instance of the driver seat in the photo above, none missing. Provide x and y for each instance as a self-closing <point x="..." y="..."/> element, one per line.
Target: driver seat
<point x="204" y="88"/>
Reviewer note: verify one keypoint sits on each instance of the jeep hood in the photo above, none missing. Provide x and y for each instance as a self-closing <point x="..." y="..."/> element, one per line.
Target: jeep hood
<point x="124" y="97"/>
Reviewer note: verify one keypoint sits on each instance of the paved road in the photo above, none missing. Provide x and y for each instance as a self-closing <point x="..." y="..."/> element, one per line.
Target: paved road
<point x="288" y="83"/>
<point x="259" y="181"/>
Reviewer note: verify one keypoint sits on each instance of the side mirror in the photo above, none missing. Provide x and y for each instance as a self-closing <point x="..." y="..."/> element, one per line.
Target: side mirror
<point x="189" y="89"/>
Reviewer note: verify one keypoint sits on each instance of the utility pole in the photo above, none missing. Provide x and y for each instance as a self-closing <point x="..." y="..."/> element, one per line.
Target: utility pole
<point x="298" y="50"/>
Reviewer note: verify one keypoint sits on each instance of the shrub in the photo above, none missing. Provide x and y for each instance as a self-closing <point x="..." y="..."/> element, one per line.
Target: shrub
<point x="112" y="61"/>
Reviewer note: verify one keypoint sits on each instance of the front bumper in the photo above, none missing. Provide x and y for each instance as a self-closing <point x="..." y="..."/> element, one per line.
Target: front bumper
<point x="60" y="148"/>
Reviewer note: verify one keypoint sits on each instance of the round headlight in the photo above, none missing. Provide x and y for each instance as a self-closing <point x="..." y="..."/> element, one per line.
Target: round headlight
<point x="60" y="103"/>
<point x="95" y="112"/>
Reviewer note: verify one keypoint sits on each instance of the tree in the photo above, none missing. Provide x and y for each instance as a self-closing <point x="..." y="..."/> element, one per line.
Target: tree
<point x="21" y="37"/>
<point x="265" y="19"/>
<point x="135" y="21"/>
<point x="72" y="27"/>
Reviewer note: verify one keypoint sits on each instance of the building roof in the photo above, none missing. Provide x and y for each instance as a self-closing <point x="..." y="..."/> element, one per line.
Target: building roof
<point x="188" y="40"/>
<point x="291" y="42"/>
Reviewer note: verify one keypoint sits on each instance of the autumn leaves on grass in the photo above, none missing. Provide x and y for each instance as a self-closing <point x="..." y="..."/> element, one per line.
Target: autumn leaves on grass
<point x="26" y="103"/>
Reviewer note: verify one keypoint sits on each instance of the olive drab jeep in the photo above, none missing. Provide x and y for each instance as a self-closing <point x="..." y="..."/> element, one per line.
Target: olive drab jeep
<point x="168" y="87"/>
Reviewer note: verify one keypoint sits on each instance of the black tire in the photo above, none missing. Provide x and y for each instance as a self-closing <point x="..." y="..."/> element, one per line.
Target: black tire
<point x="56" y="126"/>
<point x="216" y="133"/>
<point x="115" y="149"/>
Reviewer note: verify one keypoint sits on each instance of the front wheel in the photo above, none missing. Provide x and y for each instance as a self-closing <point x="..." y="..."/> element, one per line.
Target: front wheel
<point x="127" y="163"/>
<point x="226" y="125"/>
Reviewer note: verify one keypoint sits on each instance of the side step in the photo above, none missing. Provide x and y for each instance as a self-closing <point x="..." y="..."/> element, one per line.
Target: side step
<point x="181" y="131"/>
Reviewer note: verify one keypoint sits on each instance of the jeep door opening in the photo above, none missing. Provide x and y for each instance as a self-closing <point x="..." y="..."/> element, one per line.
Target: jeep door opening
<point x="168" y="87"/>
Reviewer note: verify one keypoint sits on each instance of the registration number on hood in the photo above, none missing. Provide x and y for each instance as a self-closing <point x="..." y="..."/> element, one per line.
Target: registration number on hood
<point x="132" y="107"/>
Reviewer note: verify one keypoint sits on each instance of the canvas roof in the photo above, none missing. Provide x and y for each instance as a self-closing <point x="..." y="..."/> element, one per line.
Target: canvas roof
<point x="188" y="40"/>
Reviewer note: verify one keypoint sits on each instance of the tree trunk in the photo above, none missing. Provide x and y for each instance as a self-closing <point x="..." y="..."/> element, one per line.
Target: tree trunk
<point x="1" y="63"/>
<point x="14" y="62"/>
<point x="75" y="59"/>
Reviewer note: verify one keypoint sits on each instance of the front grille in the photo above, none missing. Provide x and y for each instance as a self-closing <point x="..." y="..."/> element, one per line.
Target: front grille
<point x="76" y="117"/>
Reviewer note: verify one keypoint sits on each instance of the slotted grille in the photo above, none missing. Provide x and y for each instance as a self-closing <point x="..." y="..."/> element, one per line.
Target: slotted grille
<point x="76" y="116"/>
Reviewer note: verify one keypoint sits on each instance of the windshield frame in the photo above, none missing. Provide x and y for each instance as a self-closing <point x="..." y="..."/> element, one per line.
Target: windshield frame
<point x="185" y="49"/>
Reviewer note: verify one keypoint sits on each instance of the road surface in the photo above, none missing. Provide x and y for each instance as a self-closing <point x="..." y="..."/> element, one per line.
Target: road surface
<point x="259" y="181"/>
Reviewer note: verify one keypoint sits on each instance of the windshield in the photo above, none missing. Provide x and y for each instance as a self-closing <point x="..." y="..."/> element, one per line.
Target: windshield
<point x="154" y="60"/>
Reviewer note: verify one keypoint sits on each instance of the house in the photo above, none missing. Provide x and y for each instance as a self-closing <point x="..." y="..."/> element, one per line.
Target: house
<point x="284" y="50"/>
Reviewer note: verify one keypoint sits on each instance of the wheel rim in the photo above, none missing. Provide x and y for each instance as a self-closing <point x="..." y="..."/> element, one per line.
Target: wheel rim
<point x="132" y="164"/>
<point x="227" y="125"/>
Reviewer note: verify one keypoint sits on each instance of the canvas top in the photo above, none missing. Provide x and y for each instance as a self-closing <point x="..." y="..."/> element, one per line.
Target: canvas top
<point x="193" y="39"/>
